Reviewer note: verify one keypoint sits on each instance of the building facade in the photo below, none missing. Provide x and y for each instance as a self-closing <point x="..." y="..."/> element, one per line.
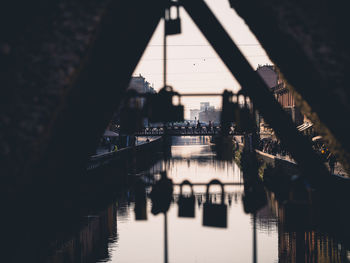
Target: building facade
<point x="286" y="99"/>
<point x="194" y="114"/>
<point x="211" y="115"/>
<point x="140" y="84"/>
<point x="205" y="113"/>
<point x="204" y="106"/>
<point x="279" y="89"/>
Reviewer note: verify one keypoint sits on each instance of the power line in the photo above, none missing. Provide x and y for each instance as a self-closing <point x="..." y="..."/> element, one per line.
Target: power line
<point x="198" y="58"/>
<point x="201" y="80"/>
<point x="184" y="73"/>
<point x="196" y="45"/>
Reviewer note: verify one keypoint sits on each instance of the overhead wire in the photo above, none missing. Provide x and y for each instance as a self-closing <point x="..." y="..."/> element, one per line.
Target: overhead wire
<point x="198" y="58"/>
<point x="195" y="45"/>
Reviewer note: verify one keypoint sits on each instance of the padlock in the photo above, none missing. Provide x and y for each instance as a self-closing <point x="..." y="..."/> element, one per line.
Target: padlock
<point x="140" y="208"/>
<point x="172" y="26"/>
<point x="161" y="194"/>
<point x="227" y="113"/>
<point x="186" y="203"/>
<point x="159" y="107"/>
<point x="244" y="118"/>
<point x="177" y="112"/>
<point x="140" y="211"/>
<point x="215" y="215"/>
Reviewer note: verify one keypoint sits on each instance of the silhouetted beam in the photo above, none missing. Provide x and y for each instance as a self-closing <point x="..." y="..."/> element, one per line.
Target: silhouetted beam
<point x="123" y="35"/>
<point x="205" y="184"/>
<point x="61" y="79"/>
<point x="252" y="83"/>
<point x="308" y="41"/>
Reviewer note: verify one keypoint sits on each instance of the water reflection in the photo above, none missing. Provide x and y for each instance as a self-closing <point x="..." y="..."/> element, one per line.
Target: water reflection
<point x="92" y="242"/>
<point x="127" y="231"/>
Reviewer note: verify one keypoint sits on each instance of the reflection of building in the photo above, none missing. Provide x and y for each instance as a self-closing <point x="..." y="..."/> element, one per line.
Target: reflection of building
<point x="90" y="244"/>
<point x="266" y="219"/>
<point x="299" y="239"/>
<point x="309" y="246"/>
<point x="281" y="92"/>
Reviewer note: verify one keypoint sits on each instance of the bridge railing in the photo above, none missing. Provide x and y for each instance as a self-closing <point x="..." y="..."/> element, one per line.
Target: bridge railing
<point x="182" y="130"/>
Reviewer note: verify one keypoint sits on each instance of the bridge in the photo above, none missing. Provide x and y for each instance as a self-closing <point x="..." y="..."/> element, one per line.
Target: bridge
<point x="44" y="110"/>
<point x="184" y="131"/>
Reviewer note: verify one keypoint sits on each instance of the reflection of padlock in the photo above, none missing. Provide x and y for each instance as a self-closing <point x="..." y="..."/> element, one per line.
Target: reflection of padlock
<point x="140" y="202"/>
<point x="140" y="210"/>
<point x="186" y="203"/>
<point x="172" y="26"/>
<point x="159" y="107"/>
<point x="215" y="215"/>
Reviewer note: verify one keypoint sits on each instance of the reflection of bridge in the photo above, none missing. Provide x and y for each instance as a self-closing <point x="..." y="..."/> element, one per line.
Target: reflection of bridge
<point x="183" y="131"/>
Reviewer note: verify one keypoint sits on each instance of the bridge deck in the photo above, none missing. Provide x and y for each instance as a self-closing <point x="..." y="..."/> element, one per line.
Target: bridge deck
<point x="182" y="131"/>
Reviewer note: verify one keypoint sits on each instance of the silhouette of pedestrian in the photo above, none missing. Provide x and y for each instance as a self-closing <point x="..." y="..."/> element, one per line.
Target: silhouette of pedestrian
<point x="332" y="161"/>
<point x="198" y="125"/>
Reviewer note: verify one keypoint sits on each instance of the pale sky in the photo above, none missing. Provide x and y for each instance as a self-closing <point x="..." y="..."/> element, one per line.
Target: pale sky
<point x="193" y="65"/>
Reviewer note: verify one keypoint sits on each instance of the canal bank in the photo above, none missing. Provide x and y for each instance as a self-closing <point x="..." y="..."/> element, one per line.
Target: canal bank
<point x="286" y="165"/>
<point x="303" y="205"/>
<point x="39" y="232"/>
<point x="139" y="152"/>
<point x="117" y="234"/>
<point x="122" y="227"/>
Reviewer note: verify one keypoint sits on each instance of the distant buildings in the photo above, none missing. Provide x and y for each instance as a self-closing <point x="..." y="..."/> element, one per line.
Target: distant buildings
<point x="204" y="106"/>
<point x="205" y="113"/>
<point x="210" y="115"/>
<point x="140" y="84"/>
<point x="269" y="75"/>
<point x="281" y="92"/>
<point x="194" y="114"/>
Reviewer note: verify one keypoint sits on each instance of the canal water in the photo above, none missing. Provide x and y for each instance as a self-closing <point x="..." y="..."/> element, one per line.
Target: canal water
<point x="115" y="235"/>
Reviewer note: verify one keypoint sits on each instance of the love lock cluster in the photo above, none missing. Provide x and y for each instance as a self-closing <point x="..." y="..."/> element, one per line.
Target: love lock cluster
<point x="157" y="107"/>
<point x="214" y="215"/>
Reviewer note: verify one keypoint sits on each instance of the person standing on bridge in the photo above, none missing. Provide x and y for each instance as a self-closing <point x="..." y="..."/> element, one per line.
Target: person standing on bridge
<point x="187" y="126"/>
<point x="198" y="125"/>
